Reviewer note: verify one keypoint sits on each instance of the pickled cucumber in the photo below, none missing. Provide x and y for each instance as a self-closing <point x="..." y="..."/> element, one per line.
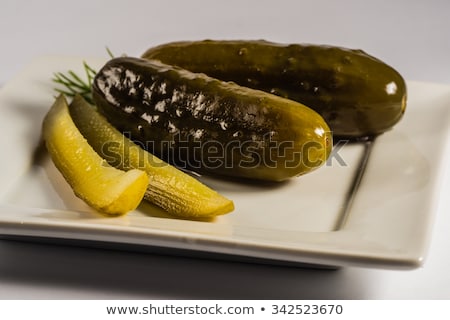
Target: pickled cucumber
<point x="109" y="190"/>
<point x="174" y="191"/>
<point x="210" y="126"/>
<point x="357" y="94"/>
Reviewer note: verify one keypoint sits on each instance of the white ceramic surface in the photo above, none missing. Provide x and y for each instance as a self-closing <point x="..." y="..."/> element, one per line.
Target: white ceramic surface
<point x="387" y="226"/>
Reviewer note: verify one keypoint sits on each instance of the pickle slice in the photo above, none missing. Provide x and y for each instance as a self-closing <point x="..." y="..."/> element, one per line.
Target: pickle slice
<point x="169" y="188"/>
<point x="107" y="189"/>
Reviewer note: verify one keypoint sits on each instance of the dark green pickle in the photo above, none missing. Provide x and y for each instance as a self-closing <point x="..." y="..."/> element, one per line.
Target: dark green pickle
<point x="357" y="94"/>
<point x="210" y="126"/>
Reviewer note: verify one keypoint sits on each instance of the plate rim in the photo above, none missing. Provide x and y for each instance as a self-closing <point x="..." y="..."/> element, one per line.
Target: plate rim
<point x="11" y="224"/>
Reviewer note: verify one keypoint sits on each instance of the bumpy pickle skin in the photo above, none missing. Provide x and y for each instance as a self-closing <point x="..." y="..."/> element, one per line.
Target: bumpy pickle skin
<point x="169" y="188"/>
<point x="210" y="126"/>
<point x="110" y="191"/>
<point x="357" y="94"/>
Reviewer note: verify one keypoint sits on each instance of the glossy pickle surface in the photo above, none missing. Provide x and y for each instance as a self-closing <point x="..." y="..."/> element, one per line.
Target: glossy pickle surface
<point x="169" y="188"/>
<point x="357" y="94"/>
<point x="210" y="126"/>
<point x="108" y="190"/>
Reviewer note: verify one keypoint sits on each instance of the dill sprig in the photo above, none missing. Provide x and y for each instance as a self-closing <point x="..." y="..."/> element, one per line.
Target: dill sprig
<point x="72" y="84"/>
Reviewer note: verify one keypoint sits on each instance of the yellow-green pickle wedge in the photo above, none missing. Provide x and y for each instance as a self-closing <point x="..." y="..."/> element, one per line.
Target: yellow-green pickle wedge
<point x="169" y="188"/>
<point x="107" y="189"/>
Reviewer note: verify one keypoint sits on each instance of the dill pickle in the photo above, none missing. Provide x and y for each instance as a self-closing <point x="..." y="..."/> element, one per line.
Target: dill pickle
<point x="357" y="94"/>
<point x="210" y="126"/>
<point x="110" y="191"/>
<point x="169" y="188"/>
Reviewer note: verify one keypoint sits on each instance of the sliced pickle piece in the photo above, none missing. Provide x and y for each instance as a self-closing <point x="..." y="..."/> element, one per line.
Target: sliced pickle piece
<point x="107" y="189"/>
<point x="169" y="188"/>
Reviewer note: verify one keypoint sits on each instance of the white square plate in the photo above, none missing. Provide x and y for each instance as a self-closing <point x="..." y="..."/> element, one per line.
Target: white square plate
<point x="329" y="217"/>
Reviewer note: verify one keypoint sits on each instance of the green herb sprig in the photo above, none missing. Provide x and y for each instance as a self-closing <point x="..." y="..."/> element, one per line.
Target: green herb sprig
<point x="73" y="84"/>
